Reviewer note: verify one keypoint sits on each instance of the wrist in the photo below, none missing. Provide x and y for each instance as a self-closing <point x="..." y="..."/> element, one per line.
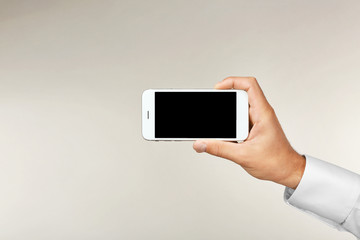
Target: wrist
<point x="297" y="164"/>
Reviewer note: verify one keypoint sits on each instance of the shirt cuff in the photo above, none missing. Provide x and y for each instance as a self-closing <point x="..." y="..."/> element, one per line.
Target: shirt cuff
<point x="325" y="190"/>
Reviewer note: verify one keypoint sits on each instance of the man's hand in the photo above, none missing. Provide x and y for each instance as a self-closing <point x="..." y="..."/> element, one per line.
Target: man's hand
<point x="266" y="154"/>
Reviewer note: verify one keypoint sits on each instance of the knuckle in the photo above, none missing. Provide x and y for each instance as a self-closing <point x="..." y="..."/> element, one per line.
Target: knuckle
<point x="253" y="80"/>
<point x="230" y="78"/>
<point x="269" y="111"/>
<point x="219" y="150"/>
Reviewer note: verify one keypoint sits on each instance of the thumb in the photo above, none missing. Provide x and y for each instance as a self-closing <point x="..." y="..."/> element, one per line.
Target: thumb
<point x="228" y="150"/>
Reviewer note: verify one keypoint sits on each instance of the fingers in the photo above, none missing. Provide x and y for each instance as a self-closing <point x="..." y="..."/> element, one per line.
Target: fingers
<point x="256" y="96"/>
<point x="228" y="150"/>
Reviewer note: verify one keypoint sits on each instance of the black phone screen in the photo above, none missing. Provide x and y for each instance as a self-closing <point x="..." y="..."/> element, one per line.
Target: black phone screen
<point x="195" y="114"/>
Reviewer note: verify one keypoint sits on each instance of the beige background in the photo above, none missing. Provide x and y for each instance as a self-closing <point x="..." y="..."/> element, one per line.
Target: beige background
<point x="73" y="164"/>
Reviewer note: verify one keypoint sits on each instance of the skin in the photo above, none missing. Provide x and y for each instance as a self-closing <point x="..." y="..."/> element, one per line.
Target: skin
<point x="266" y="154"/>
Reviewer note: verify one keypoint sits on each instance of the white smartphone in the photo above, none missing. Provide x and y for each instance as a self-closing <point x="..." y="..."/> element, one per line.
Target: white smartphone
<point x="190" y="114"/>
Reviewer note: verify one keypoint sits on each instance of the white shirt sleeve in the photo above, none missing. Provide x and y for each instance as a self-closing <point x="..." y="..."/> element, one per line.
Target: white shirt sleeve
<point x="330" y="193"/>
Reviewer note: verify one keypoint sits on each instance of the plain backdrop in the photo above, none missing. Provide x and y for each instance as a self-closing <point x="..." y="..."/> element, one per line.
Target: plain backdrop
<point x="73" y="163"/>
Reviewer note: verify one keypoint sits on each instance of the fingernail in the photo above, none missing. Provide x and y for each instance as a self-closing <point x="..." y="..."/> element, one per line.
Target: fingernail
<point x="216" y="85"/>
<point x="200" y="147"/>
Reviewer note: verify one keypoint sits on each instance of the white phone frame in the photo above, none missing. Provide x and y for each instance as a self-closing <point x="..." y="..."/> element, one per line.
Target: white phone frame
<point x="148" y="114"/>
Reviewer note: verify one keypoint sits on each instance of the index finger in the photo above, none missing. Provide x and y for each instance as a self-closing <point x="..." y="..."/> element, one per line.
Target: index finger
<point x="250" y="85"/>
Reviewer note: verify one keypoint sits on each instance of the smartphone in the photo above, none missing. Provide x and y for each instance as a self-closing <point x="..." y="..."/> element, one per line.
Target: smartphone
<point x="190" y="114"/>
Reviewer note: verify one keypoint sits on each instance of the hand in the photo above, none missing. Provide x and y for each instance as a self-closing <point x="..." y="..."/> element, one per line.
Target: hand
<point x="266" y="154"/>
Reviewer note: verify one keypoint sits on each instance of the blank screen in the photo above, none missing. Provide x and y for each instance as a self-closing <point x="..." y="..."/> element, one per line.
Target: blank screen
<point x="195" y="114"/>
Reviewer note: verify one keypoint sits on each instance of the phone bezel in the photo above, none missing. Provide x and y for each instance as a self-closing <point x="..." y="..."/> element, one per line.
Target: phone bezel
<point x="148" y="114"/>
